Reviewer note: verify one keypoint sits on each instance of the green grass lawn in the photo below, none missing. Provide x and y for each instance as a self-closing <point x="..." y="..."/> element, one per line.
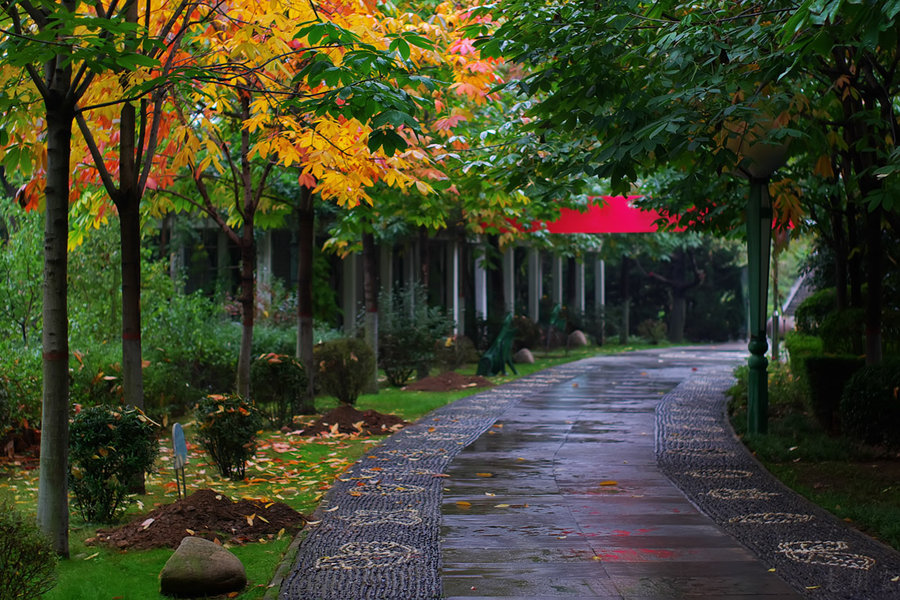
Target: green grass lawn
<point x="290" y="469"/>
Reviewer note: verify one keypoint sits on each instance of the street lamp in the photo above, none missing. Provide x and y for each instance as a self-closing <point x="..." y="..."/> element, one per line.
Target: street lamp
<point x="758" y="160"/>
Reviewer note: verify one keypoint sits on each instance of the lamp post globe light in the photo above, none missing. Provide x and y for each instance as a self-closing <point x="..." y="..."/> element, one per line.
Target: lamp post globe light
<point x="758" y="160"/>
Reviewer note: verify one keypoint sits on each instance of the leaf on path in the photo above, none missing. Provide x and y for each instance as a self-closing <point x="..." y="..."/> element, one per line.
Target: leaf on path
<point x="609" y="482"/>
<point x="463" y="504"/>
<point x="484" y="474"/>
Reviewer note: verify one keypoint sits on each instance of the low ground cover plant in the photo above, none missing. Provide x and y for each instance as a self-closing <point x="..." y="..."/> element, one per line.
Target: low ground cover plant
<point x="26" y="557"/>
<point x="227" y="427"/>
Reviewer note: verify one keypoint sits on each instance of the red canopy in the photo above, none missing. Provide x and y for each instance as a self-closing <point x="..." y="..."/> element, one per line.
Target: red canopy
<point x="617" y="214"/>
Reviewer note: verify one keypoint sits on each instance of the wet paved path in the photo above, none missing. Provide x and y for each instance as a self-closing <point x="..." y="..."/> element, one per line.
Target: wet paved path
<point x="576" y="507"/>
<point x="560" y="485"/>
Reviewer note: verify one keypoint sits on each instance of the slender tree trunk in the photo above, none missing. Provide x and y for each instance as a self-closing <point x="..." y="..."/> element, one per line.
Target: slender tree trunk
<point x="854" y="261"/>
<point x="305" y="244"/>
<point x="248" y="308"/>
<point x="370" y="293"/>
<point x="132" y="373"/>
<point x="840" y="253"/>
<point x="875" y="269"/>
<point x="248" y="258"/>
<point x="53" y="507"/>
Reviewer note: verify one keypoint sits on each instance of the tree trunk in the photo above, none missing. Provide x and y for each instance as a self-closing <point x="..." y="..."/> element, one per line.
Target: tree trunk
<point x="370" y="293"/>
<point x="132" y="374"/>
<point x="248" y="259"/>
<point x="305" y="244"/>
<point x="841" y="251"/>
<point x="679" y="312"/>
<point x="875" y="268"/>
<point x="854" y="262"/>
<point x="53" y="507"/>
<point x="248" y="309"/>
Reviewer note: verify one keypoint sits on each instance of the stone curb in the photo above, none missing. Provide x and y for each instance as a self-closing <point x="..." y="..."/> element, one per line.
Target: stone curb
<point x="818" y="554"/>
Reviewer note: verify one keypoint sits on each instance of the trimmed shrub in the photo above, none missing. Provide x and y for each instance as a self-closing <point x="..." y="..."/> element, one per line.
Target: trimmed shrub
<point x="528" y="333"/>
<point x="345" y="368"/>
<point x="454" y="351"/>
<point x="108" y="449"/>
<point x="827" y="376"/>
<point x="800" y="346"/>
<point x="408" y="331"/>
<point x="870" y="405"/>
<point x="27" y="560"/>
<point x="226" y="429"/>
<point x="278" y="382"/>
<point x="812" y="311"/>
<point x="652" y="330"/>
<point x="843" y="332"/>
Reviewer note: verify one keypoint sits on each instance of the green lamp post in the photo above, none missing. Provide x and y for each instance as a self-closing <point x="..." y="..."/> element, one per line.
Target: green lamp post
<point x="759" y="159"/>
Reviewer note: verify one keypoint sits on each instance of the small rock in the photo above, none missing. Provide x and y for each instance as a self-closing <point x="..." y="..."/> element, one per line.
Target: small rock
<point x="200" y="568"/>
<point x="577" y="339"/>
<point x="524" y="356"/>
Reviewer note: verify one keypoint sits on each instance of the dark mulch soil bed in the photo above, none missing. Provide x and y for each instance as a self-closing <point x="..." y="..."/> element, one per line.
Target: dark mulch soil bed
<point x="346" y="419"/>
<point x="448" y="381"/>
<point x="207" y="514"/>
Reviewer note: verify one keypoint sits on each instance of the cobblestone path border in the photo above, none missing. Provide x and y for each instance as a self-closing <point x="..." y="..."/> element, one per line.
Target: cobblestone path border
<point x="378" y="529"/>
<point x="811" y="549"/>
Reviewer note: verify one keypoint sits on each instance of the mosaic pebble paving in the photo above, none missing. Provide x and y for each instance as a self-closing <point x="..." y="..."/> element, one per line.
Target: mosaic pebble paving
<point x="809" y="548"/>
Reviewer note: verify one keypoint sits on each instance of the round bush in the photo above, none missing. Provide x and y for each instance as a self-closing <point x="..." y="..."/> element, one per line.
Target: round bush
<point x="870" y="405"/>
<point x="452" y="352"/>
<point x="226" y="429"/>
<point x="345" y="368"/>
<point x="108" y="449"/>
<point x="279" y="385"/>
<point x="27" y="560"/>
<point x="812" y="311"/>
<point x="843" y="331"/>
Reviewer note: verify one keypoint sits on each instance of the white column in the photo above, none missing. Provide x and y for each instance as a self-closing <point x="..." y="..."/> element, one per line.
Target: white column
<point x="386" y="268"/>
<point x="264" y="260"/>
<point x="599" y="284"/>
<point x="453" y="283"/>
<point x="509" y="280"/>
<point x="557" y="280"/>
<point x="535" y="284"/>
<point x="481" y="301"/>
<point x="600" y="296"/>
<point x="578" y="301"/>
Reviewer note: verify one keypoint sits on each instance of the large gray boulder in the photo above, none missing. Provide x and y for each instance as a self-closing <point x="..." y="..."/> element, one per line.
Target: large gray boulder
<point x="577" y="339"/>
<point x="200" y="568"/>
<point x="524" y="356"/>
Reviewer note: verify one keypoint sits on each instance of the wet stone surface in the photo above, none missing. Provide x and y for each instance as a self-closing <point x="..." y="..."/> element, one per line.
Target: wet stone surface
<point x="575" y="505"/>
<point x="563" y="485"/>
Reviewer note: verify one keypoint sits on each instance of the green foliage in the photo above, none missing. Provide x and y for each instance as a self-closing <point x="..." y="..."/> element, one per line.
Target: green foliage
<point x="344" y="368"/>
<point x="652" y="330"/>
<point x="227" y="426"/>
<point x="408" y="332"/>
<point x="870" y="405"/>
<point x="191" y="350"/>
<point x="827" y="376"/>
<point x="799" y="347"/>
<point x="107" y="450"/>
<point x="843" y="331"/>
<point x="455" y="351"/>
<point x="20" y="377"/>
<point x="812" y="312"/>
<point x="27" y="560"/>
<point x="20" y="275"/>
<point x="528" y="333"/>
<point x="278" y="382"/>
